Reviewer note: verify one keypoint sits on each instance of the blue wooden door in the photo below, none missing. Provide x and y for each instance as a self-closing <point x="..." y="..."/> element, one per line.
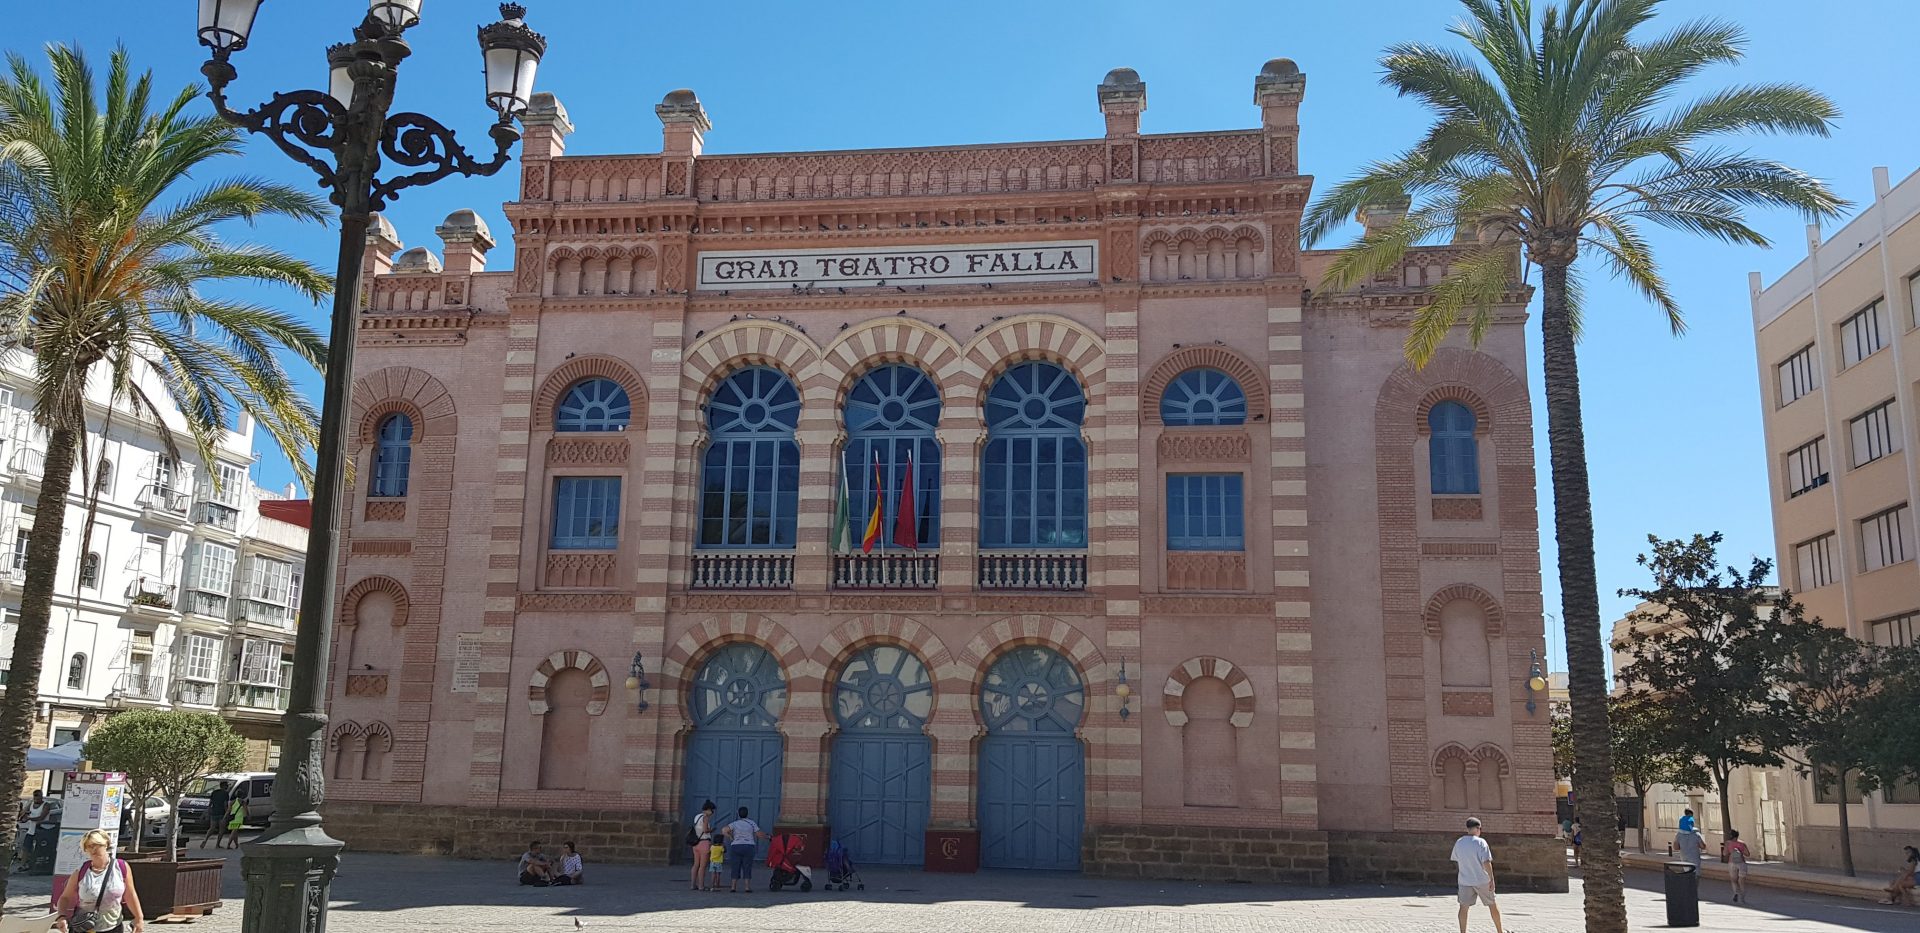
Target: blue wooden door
<point x="1032" y="765"/>
<point x="880" y="789"/>
<point x="736" y="753"/>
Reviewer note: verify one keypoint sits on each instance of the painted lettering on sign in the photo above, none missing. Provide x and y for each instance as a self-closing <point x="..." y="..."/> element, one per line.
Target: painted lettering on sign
<point x="927" y="265"/>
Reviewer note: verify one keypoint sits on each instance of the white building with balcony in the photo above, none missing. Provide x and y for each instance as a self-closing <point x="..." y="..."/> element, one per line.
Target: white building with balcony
<point x="182" y="593"/>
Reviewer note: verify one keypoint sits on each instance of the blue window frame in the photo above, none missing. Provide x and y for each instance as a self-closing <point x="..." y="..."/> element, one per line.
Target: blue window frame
<point x="1454" y="452"/>
<point x="1033" y="472"/>
<point x="392" y="457"/>
<point x="1203" y="396"/>
<point x="586" y="513"/>
<point x="891" y="414"/>
<point x="595" y="404"/>
<point x="1205" y="512"/>
<point x="750" y="476"/>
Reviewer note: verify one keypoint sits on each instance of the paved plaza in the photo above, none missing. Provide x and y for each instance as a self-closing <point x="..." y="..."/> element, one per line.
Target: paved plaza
<point x="390" y="892"/>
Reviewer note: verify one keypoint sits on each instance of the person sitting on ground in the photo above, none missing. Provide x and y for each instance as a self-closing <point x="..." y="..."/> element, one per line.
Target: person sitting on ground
<point x="1903" y="886"/>
<point x="571" y="871"/>
<point x="535" y="869"/>
<point x="1737" y="855"/>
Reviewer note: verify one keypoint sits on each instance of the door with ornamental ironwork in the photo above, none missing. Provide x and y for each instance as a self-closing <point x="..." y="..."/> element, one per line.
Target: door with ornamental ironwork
<point x="735" y="755"/>
<point x="881" y="788"/>
<point x="1032" y="765"/>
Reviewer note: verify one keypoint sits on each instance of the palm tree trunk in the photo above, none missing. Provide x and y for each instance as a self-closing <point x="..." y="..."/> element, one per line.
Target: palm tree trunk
<point x="1606" y="907"/>
<point x="1726" y="810"/>
<point x="36" y="609"/>
<point x="1846" y="831"/>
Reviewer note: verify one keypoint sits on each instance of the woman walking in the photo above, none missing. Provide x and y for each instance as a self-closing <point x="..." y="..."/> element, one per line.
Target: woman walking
<point x="702" y="835"/>
<point x="743" y="836"/>
<point x="100" y="891"/>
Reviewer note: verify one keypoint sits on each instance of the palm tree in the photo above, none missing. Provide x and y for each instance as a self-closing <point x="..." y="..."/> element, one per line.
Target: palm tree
<point x="1557" y="135"/>
<point x="105" y="258"/>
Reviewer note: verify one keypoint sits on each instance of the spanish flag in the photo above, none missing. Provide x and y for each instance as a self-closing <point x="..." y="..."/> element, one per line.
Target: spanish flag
<point x="873" y="521"/>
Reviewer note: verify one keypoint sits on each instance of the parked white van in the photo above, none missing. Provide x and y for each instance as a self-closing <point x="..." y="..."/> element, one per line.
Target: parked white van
<point x="256" y="787"/>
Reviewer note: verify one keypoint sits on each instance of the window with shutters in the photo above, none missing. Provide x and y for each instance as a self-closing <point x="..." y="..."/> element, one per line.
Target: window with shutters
<point x="1875" y="433"/>
<point x="1884" y="538"/>
<point x="1798" y="376"/>
<point x="1807" y="467"/>
<point x="20" y="550"/>
<point x="1204" y="512"/>
<point x="90" y="571"/>
<point x="1896" y="632"/>
<point x="1815" y="559"/>
<point x="259" y="663"/>
<point x="1863" y="334"/>
<point x="272" y="581"/>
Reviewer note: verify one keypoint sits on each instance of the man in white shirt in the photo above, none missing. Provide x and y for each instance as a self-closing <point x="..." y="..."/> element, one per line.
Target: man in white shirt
<point x="1475" y="859"/>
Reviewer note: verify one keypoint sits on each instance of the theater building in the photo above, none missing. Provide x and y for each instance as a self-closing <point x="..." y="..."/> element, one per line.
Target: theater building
<point x="1022" y="505"/>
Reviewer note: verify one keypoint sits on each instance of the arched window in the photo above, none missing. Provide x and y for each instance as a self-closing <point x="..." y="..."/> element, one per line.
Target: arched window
<point x="90" y="571"/>
<point x="77" y="672"/>
<point x="392" y="457"/>
<point x="1451" y="447"/>
<point x="1203" y="396"/>
<point x="595" y="404"/>
<point x="750" y="477"/>
<point x="1033" y="484"/>
<point x="891" y="414"/>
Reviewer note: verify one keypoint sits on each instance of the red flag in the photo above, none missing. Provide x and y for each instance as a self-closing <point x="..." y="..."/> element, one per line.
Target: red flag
<point x="873" y="520"/>
<point x="906" y="523"/>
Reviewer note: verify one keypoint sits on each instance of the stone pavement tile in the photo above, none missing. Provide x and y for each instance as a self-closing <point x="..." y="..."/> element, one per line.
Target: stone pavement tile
<point x="383" y="893"/>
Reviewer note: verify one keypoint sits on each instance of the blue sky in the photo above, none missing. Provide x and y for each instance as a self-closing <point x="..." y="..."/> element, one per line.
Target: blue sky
<point x="1673" y="425"/>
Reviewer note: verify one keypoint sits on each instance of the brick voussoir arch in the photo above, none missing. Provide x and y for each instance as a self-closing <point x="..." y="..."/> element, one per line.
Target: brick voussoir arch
<point x="1236" y="366"/>
<point x="1173" y="696"/>
<point x="403" y="388"/>
<point x="692" y="648"/>
<point x="1025" y="337"/>
<point x="996" y="639"/>
<point x="570" y="659"/>
<point x="1430" y="616"/>
<point x="881" y="628"/>
<point x="881" y="341"/>
<point x="1491" y="754"/>
<point x="572" y="371"/>
<point x="1452" y="751"/>
<point x="350" y="603"/>
<point x="344" y="730"/>
<point x="1482" y="415"/>
<point x="741" y="344"/>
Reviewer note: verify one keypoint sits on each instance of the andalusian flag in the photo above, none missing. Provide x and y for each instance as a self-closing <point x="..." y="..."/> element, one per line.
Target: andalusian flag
<point x="840" y="511"/>
<point x="879" y="497"/>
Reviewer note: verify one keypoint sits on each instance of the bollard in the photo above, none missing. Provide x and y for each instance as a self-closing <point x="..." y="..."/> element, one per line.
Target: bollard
<point x="1683" y="894"/>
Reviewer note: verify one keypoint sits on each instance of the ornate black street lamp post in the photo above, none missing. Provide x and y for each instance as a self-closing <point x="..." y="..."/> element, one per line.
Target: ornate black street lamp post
<point x="344" y="134"/>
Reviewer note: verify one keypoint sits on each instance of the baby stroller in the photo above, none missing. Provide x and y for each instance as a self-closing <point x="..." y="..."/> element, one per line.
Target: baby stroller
<point x="840" y="868"/>
<point x="784" y="853"/>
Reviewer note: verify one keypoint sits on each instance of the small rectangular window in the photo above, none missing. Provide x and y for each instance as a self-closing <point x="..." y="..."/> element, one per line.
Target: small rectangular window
<point x="586" y="512"/>
<point x="20" y="551"/>
<point x="1883" y="538"/>
<point x="1913" y="297"/>
<point x="1815" y="559"/>
<point x="1205" y="512"/>
<point x="1863" y="334"/>
<point x="1797" y="376"/>
<point x="1896" y="632"/>
<point x="1807" y="467"/>
<point x="1875" y="434"/>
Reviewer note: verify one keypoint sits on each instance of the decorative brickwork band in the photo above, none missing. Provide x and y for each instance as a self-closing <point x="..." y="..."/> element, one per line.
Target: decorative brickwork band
<point x="569" y="660"/>
<point x="1173" y="695"/>
<point x="572" y="371"/>
<point x="1227" y="361"/>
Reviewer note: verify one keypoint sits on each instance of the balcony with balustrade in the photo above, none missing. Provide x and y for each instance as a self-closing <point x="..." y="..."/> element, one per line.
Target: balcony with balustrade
<point x="217" y="518"/>
<point x="24" y="467"/>
<point x="163" y="505"/>
<point x="13" y="571"/>
<point x="136" y="690"/>
<point x="1032" y="570"/>
<point x="742" y="570"/>
<point x="892" y="570"/>
<point x="152" y="599"/>
<point x="255" y="701"/>
<point x="207" y="609"/>
<point x="267" y="617"/>
<point x="196" y="693"/>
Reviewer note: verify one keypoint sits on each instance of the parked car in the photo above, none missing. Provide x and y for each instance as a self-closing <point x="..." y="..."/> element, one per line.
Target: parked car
<point x="255" y="786"/>
<point x="159" y="816"/>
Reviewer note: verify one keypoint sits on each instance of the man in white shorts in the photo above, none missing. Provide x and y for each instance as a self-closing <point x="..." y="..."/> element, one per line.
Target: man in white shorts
<point x="1475" y="859"/>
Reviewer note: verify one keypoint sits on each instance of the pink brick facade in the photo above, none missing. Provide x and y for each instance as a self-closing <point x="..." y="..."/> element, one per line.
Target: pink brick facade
<point x="1338" y="649"/>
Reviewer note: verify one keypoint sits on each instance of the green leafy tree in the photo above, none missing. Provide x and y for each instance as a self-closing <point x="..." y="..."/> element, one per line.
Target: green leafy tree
<point x="163" y="752"/>
<point x="1893" y="713"/>
<point x="1715" y="646"/>
<point x="1642" y="755"/>
<point x="109" y="265"/>
<point x="1842" y="690"/>
<point x="1558" y="134"/>
<point x="1561" y="726"/>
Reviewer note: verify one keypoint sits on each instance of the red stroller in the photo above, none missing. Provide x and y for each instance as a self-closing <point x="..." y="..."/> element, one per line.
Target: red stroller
<point x="785" y="851"/>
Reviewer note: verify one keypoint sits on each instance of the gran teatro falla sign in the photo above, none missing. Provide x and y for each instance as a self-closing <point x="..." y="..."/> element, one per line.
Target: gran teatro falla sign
<point x="1058" y="261"/>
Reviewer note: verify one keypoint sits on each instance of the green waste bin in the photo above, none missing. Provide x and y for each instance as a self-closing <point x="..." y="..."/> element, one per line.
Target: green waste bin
<point x="1683" y="894"/>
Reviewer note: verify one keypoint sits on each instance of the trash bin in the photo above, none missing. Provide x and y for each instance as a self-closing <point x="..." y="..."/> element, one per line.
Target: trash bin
<point x="1683" y="894"/>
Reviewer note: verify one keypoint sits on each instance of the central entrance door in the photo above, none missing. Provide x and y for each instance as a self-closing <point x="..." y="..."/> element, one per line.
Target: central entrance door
<point x="881" y="787"/>
<point x="1032" y="766"/>
<point x="735" y="754"/>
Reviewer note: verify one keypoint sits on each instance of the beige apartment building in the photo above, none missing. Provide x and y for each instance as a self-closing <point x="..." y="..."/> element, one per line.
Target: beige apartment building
<point x="1838" y="358"/>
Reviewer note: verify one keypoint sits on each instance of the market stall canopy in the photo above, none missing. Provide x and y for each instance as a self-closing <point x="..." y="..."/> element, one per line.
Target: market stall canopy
<point x="63" y="757"/>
